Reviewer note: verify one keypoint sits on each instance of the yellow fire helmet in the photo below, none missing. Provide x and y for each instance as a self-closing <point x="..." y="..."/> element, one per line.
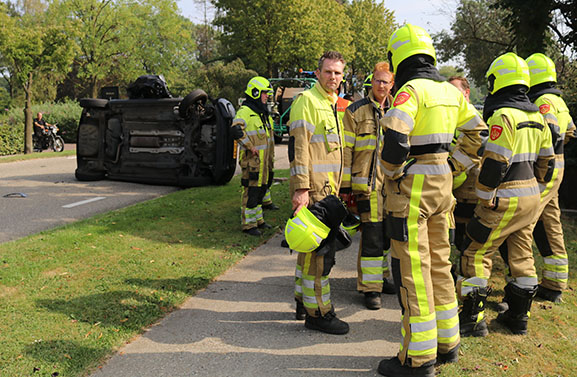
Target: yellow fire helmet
<point x="407" y="41"/>
<point x="459" y="180"/>
<point x="351" y="224"/>
<point x="305" y="232"/>
<point x="368" y="81"/>
<point x="541" y="68"/>
<point x="507" y="70"/>
<point x="256" y="86"/>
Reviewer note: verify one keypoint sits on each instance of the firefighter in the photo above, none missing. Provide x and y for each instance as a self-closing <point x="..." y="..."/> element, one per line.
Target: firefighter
<point x="252" y="128"/>
<point x="316" y="156"/>
<point x="367" y="84"/>
<point x="267" y="202"/>
<point x="464" y="184"/>
<point x="418" y="130"/>
<point x="518" y="156"/>
<point x="363" y="178"/>
<point x="548" y="232"/>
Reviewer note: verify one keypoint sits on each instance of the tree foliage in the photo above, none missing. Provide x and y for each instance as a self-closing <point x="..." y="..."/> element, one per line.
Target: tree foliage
<point x="272" y="36"/>
<point x="371" y="24"/>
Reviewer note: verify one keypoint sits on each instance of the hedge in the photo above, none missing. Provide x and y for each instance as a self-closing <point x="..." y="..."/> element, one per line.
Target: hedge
<point x="66" y="114"/>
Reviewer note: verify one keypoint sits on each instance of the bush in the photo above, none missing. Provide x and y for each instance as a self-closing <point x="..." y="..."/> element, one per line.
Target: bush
<point x="11" y="139"/>
<point x="66" y="114"/>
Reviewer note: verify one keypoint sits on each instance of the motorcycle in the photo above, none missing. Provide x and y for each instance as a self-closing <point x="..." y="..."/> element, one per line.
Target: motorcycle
<point x="49" y="140"/>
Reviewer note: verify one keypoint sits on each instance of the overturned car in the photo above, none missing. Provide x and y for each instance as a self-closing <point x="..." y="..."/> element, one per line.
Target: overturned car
<point x="156" y="139"/>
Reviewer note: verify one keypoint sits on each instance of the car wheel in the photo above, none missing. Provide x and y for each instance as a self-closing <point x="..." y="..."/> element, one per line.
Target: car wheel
<point x="94" y="102"/>
<point x="186" y="105"/>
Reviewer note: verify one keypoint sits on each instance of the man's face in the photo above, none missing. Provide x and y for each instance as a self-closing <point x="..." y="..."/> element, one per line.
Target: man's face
<point x="457" y="84"/>
<point x="331" y="75"/>
<point x="264" y="97"/>
<point x="382" y="83"/>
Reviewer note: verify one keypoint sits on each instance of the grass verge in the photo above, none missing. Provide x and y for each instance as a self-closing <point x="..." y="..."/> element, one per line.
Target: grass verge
<point x="547" y="350"/>
<point x="69" y="297"/>
<point x="35" y="155"/>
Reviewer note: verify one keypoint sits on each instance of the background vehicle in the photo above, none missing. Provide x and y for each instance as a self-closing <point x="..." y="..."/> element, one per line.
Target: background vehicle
<point x="285" y="91"/>
<point x="50" y="140"/>
<point x="166" y="141"/>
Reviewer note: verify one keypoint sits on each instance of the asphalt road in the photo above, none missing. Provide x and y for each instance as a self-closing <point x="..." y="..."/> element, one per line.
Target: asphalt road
<point x="54" y="197"/>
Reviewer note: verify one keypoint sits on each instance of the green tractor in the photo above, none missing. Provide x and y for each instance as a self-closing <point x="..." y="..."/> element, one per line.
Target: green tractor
<point x="285" y="91"/>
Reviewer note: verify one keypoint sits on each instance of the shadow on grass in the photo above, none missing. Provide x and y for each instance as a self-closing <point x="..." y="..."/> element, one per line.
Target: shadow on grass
<point x="187" y="285"/>
<point x="60" y="352"/>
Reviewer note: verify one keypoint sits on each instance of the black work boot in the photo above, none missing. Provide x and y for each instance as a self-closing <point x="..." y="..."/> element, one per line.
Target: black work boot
<point x="271" y="207"/>
<point x="392" y="368"/>
<point x="388" y="288"/>
<point x="517" y="316"/>
<point x="253" y="232"/>
<point x="329" y="323"/>
<point x="301" y="312"/>
<point x="471" y="317"/>
<point x="264" y="226"/>
<point x="450" y="357"/>
<point x="373" y="300"/>
<point x="549" y="294"/>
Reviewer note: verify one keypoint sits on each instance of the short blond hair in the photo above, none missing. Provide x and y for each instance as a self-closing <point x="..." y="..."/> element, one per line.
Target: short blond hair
<point x="383" y="67"/>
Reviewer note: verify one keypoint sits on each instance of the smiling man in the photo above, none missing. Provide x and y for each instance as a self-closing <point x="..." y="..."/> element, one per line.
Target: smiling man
<point x="316" y="157"/>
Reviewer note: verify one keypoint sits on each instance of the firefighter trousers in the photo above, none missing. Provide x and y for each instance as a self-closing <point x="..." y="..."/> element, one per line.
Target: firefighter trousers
<point x="312" y="286"/>
<point x="418" y="209"/>
<point x="251" y="206"/>
<point x="511" y="221"/>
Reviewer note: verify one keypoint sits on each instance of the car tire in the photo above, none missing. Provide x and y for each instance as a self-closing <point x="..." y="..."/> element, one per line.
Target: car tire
<point x="278" y="138"/>
<point x="94" y="103"/>
<point x="195" y="96"/>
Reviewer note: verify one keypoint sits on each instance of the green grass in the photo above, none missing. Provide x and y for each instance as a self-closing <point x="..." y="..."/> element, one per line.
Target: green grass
<point x="35" y="155"/>
<point x="69" y="297"/>
<point x="549" y="347"/>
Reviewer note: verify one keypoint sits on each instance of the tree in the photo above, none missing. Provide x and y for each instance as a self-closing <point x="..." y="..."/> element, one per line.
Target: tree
<point x="272" y="36"/>
<point x="31" y="46"/>
<point x="371" y="24"/>
<point x="477" y="35"/>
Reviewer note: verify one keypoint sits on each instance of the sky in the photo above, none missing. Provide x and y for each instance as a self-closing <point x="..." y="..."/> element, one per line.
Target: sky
<point x="432" y="15"/>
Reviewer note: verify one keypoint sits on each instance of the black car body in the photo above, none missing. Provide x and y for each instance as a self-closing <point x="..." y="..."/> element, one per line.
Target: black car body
<point x="166" y="141"/>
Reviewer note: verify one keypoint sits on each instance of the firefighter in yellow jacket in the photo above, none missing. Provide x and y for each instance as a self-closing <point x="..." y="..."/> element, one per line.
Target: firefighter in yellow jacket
<point x="518" y="156"/>
<point x="316" y="156"/>
<point x="548" y="232"/>
<point x="252" y="130"/>
<point x="419" y="128"/>
<point x="363" y="177"/>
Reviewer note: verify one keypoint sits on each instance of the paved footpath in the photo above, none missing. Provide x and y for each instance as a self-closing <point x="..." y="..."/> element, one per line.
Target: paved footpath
<point x="243" y="324"/>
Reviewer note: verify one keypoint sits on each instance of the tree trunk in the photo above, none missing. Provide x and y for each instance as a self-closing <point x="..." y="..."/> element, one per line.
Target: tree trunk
<point x="28" y="126"/>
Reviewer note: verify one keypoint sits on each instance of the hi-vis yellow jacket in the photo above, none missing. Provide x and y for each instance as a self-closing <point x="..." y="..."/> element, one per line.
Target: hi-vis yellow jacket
<point x="363" y="137"/>
<point x="562" y="128"/>
<point x="256" y="134"/>
<point x="421" y="125"/>
<point x="315" y="144"/>
<point x="519" y="153"/>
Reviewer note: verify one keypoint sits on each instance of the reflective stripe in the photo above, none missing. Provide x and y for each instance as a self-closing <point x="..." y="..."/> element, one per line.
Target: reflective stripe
<point x="485" y="195"/>
<point x="431" y="139"/>
<point x="424" y="345"/>
<point x="559" y="164"/>
<point x="462" y="158"/>
<point x="518" y="192"/>
<point x="402" y="116"/>
<point x="547" y="152"/>
<point x="556" y="261"/>
<point x="429" y="169"/>
<point x="423" y="326"/>
<point x="245" y="141"/>
<point x="522" y="157"/>
<point x="326" y="168"/>
<point x="302" y="123"/>
<point x="448" y="333"/>
<point x="317" y="139"/>
<point x="413" y="245"/>
<point x="527" y="282"/>
<point x="376" y="262"/>
<point x="372" y="278"/>
<point x="238" y="120"/>
<point x="347" y="171"/>
<point x="311" y="283"/>
<point x="365" y="143"/>
<point x="507" y="153"/>
<point x="555" y="275"/>
<point x="298" y="272"/>
<point x="470" y="125"/>
<point x="261" y="147"/>
<point x="468" y="285"/>
<point x="550" y="116"/>
<point x="360" y="181"/>
<point x="253" y="132"/>
<point x="331" y="138"/>
<point x="447" y="314"/>
<point x="295" y="170"/>
<point x="349" y="140"/>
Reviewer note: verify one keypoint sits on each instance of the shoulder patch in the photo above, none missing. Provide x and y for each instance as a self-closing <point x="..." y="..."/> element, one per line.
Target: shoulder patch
<point x="401" y="98"/>
<point x="495" y="132"/>
<point x="544" y="109"/>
